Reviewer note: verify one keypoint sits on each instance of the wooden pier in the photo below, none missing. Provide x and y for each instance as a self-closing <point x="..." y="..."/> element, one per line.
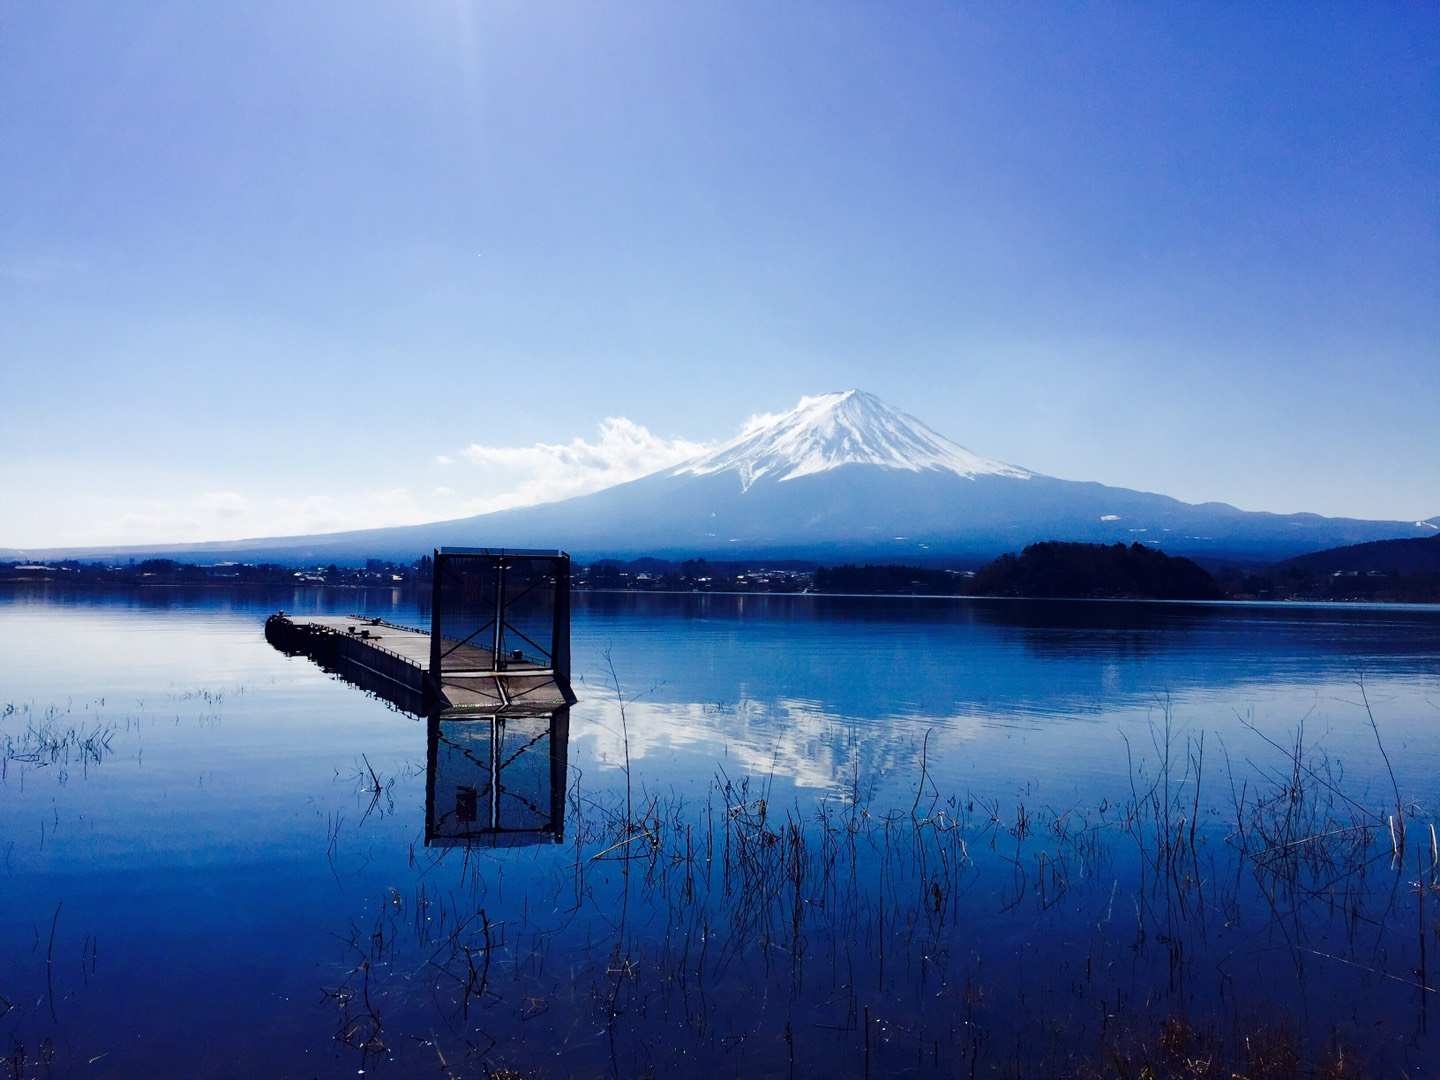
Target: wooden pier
<point x="492" y="679"/>
<point x="481" y="654"/>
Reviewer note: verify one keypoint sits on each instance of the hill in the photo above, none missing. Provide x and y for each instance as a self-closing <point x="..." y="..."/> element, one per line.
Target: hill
<point x="1416" y="556"/>
<point x="1055" y="569"/>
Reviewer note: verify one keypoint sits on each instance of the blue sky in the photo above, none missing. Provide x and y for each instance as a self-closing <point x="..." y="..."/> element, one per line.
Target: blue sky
<point x="264" y="268"/>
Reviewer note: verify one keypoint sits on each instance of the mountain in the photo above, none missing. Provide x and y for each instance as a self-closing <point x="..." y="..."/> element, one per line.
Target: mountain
<point x="834" y="430"/>
<point x="841" y="475"/>
<point x="1383" y="556"/>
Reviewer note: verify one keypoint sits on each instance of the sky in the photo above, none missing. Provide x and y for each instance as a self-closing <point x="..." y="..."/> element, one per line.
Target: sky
<point x="276" y="268"/>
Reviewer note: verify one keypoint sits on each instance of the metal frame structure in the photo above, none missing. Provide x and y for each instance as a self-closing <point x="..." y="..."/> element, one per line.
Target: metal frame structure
<point x="481" y="643"/>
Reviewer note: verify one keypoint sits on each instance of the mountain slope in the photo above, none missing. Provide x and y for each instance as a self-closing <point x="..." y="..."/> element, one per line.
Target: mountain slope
<point x="841" y="475"/>
<point x="1420" y="556"/>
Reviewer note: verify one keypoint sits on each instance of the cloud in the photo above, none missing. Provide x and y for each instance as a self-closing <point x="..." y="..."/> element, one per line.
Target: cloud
<point x="759" y="421"/>
<point x="622" y="450"/>
<point x="229" y="515"/>
<point x="503" y="477"/>
<point x="478" y="479"/>
<point x="796" y="739"/>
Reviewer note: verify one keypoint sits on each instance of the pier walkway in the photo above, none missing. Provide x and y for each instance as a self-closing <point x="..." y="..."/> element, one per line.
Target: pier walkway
<point x="471" y="682"/>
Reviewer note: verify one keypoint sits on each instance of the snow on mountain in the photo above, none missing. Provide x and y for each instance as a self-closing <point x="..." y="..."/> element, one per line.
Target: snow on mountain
<point x="840" y="476"/>
<point x="847" y="428"/>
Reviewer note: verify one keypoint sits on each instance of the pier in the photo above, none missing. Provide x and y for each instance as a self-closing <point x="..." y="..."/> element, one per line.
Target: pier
<point x="499" y="638"/>
<point x="491" y="678"/>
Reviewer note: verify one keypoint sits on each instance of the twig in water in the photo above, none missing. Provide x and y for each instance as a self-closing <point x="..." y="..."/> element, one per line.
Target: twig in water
<point x="624" y="735"/>
<point x="924" y="775"/>
<point x="50" y="960"/>
<point x="1363" y="967"/>
<point x="1395" y="787"/>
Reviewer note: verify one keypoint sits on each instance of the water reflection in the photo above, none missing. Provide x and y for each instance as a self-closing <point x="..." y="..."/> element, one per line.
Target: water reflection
<point x="899" y="832"/>
<point x="497" y="780"/>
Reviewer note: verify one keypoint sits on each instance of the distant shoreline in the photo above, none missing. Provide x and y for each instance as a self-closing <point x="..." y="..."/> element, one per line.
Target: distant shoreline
<point x="424" y="586"/>
<point x="1025" y="599"/>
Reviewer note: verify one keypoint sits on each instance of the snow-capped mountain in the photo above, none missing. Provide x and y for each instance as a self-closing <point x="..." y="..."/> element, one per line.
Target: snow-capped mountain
<point x="846" y="428"/>
<point x="840" y="476"/>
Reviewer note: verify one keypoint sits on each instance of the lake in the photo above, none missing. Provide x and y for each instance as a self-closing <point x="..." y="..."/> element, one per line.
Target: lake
<point x="867" y="836"/>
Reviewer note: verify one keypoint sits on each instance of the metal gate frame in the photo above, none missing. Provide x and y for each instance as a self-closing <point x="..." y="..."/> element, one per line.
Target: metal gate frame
<point x="499" y="559"/>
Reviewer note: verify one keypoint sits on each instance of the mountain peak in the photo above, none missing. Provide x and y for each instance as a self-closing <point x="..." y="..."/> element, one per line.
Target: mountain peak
<point x="847" y="427"/>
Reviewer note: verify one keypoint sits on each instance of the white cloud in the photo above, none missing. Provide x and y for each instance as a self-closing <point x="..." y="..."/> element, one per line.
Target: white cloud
<point x="229" y="515"/>
<point x="503" y="477"/>
<point x="761" y="420"/>
<point x="622" y="450"/>
<point x="783" y="736"/>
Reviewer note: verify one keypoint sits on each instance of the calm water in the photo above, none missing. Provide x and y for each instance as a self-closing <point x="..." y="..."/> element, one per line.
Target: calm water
<point x="200" y="877"/>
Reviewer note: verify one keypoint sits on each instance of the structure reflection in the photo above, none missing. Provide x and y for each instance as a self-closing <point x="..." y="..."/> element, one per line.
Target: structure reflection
<point x="497" y="780"/>
<point x="494" y="777"/>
